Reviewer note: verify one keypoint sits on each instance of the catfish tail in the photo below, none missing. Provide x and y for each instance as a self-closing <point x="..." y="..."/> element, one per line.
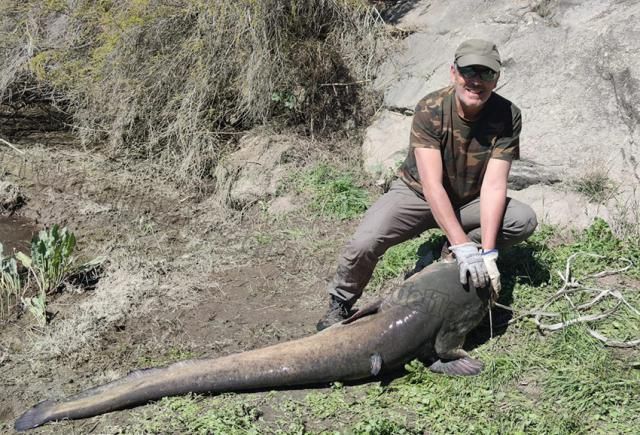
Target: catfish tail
<point x="36" y="416"/>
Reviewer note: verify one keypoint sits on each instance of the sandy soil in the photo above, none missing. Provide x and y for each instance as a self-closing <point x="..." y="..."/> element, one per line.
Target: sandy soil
<point x="184" y="278"/>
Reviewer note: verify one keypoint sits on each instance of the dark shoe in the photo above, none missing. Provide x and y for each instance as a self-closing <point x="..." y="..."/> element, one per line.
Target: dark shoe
<point x="339" y="310"/>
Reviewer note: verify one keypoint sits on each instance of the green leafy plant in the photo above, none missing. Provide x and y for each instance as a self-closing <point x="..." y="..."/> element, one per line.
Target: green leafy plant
<point x="50" y="264"/>
<point x="188" y="414"/>
<point x="10" y="283"/>
<point x="381" y="426"/>
<point x="51" y="258"/>
<point x="286" y="99"/>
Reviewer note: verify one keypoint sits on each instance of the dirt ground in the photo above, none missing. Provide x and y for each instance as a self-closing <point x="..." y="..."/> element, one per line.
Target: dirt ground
<point x="185" y="278"/>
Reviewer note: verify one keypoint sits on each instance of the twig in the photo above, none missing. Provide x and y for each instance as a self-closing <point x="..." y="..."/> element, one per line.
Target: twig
<point x="614" y="272"/>
<point x="10" y="145"/>
<point x="359" y="82"/>
<point x="613" y="343"/>
<point x="581" y="319"/>
<point x="573" y="286"/>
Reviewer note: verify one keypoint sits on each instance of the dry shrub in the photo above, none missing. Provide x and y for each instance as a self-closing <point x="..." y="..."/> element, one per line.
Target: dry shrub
<point x="176" y="79"/>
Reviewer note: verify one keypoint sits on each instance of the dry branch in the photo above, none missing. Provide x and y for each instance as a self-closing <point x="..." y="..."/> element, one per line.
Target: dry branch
<point x="571" y="287"/>
<point x="12" y="146"/>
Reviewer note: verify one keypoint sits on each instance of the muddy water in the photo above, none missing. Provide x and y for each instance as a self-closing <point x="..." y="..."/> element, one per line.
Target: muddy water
<point x="15" y="233"/>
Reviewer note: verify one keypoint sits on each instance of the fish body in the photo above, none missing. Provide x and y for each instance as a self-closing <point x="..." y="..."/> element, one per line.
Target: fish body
<point x="427" y="317"/>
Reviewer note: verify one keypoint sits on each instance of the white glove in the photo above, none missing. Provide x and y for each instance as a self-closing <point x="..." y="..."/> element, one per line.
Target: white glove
<point x="470" y="261"/>
<point x="490" y="257"/>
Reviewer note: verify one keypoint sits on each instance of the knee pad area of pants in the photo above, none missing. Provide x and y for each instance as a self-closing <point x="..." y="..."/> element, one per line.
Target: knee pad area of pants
<point x="523" y="224"/>
<point x="365" y="246"/>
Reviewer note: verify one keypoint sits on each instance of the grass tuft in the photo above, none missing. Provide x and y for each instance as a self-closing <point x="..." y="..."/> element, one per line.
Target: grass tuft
<point x="596" y="186"/>
<point x="333" y="193"/>
<point x="187" y="414"/>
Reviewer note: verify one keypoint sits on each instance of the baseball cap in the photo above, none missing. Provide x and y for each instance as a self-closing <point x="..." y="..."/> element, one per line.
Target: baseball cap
<point x="478" y="52"/>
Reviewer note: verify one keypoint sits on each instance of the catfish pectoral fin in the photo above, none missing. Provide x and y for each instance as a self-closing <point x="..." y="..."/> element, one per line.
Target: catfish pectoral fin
<point x="376" y="363"/>
<point x="36" y="416"/>
<point x="465" y="366"/>
<point x="366" y="311"/>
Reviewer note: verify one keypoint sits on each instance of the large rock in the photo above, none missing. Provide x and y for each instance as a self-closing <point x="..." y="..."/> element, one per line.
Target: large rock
<point x="385" y="143"/>
<point x="573" y="68"/>
<point x="254" y="171"/>
<point x="560" y="207"/>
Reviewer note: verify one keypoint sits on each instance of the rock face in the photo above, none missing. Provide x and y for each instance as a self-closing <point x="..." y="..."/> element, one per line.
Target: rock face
<point x="385" y="143"/>
<point x="573" y="68"/>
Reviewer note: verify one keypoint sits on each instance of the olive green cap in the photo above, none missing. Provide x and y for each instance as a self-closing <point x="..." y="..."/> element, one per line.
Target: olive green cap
<point x="478" y="52"/>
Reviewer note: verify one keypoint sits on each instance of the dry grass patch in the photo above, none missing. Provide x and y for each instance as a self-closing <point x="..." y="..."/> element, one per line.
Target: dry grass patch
<point x="177" y="80"/>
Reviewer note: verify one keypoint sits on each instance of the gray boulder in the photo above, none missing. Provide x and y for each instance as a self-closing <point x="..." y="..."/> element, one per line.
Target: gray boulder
<point x="385" y="143"/>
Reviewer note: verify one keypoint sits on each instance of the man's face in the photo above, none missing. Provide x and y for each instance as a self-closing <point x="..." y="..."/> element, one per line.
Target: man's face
<point x="473" y="85"/>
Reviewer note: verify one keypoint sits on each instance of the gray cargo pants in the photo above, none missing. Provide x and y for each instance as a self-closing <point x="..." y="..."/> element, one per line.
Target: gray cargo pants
<point x="399" y="215"/>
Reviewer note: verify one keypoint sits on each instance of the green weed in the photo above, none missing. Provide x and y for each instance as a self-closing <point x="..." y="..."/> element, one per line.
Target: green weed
<point x="10" y="283"/>
<point x="50" y="264"/>
<point x="334" y="193"/>
<point x="263" y="239"/>
<point x="188" y="414"/>
<point x="381" y="426"/>
<point x="37" y="306"/>
<point x="326" y="405"/>
<point x="51" y="258"/>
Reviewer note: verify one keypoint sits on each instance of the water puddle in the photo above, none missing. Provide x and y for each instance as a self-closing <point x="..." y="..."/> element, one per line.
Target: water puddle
<point x="16" y="234"/>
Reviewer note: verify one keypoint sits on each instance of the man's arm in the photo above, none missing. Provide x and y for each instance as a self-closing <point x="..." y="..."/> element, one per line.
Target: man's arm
<point x="493" y="196"/>
<point x="429" y="164"/>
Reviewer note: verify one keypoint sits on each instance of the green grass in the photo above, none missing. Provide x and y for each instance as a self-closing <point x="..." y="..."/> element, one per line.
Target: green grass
<point x="190" y="414"/>
<point x="333" y="193"/>
<point x="559" y="383"/>
<point x="402" y="258"/>
<point x="50" y="265"/>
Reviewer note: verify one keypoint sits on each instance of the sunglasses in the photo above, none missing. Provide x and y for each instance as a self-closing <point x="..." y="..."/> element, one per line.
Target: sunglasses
<point x="485" y="74"/>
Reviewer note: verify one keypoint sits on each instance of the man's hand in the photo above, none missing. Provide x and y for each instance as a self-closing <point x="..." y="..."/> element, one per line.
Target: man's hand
<point x="470" y="261"/>
<point x="489" y="258"/>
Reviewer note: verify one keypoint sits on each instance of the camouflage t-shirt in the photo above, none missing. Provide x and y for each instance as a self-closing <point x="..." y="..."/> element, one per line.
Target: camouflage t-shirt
<point x="466" y="147"/>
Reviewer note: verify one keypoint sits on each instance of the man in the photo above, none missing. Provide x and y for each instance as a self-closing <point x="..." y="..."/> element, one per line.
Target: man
<point x="463" y="139"/>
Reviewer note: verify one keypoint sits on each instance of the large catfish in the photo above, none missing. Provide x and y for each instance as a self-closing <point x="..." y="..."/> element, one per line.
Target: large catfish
<point x="428" y="317"/>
